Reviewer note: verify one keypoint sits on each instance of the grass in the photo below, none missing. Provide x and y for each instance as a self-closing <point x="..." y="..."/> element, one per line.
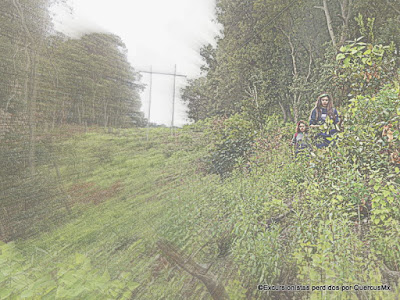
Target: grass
<point x="129" y="192"/>
<point x="121" y="187"/>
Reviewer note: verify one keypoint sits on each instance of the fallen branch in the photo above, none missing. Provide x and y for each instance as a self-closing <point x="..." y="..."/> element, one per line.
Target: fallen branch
<point x="214" y="287"/>
<point x="389" y="275"/>
<point x="278" y="219"/>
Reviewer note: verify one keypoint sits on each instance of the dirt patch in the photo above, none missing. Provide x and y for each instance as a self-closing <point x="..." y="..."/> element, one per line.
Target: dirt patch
<point x="89" y="192"/>
<point x="65" y="132"/>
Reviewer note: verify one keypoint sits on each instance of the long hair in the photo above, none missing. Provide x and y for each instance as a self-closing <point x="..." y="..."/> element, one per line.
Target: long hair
<point x="318" y="107"/>
<point x="298" y="126"/>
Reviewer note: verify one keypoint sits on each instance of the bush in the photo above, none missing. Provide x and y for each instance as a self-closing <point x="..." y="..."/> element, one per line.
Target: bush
<point x="363" y="68"/>
<point x="363" y="142"/>
<point x="231" y="139"/>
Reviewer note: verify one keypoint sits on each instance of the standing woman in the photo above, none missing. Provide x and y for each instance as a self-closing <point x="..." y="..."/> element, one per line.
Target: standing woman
<point x="323" y="109"/>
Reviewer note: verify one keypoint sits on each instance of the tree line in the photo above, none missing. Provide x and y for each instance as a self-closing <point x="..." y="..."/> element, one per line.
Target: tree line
<point x="49" y="81"/>
<point x="62" y="80"/>
<point x="276" y="57"/>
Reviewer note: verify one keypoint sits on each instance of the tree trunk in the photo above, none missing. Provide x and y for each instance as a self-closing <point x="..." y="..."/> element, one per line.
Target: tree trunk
<point x="345" y="7"/>
<point x="328" y="21"/>
<point x="105" y="114"/>
<point x="283" y="111"/>
<point x="32" y="114"/>
<point x="94" y="104"/>
<point x="295" y="113"/>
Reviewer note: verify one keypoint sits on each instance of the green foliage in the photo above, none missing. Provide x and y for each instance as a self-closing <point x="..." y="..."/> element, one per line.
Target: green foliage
<point x="260" y="67"/>
<point x="366" y="30"/>
<point x="364" y="68"/>
<point x="71" y="279"/>
<point x="234" y="219"/>
<point x="331" y="218"/>
<point x="49" y="80"/>
<point x="341" y="203"/>
<point x="362" y="141"/>
<point x="231" y="139"/>
<point x="352" y="195"/>
<point x="271" y="57"/>
<point x="235" y="290"/>
<point x="99" y="85"/>
<point x="112" y="198"/>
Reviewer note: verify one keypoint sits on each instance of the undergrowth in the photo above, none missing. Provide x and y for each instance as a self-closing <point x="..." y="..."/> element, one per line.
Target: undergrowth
<point x="259" y="217"/>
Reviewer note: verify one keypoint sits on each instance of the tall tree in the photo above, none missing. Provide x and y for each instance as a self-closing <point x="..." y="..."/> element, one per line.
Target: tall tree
<point x="276" y="57"/>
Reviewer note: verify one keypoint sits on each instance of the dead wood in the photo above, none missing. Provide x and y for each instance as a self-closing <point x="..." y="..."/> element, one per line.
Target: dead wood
<point x="214" y="287"/>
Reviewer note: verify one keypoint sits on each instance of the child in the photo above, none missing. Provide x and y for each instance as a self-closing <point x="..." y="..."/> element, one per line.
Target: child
<point x="324" y="108"/>
<point x="301" y="139"/>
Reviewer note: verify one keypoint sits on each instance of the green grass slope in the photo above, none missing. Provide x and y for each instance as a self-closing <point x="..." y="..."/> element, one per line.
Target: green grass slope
<point x="331" y="219"/>
<point x="120" y="187"/>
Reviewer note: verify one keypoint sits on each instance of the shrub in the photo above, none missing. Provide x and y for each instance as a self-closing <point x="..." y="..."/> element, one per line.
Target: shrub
<point x="231" y="139"/>
<point x="362" y="141"/>
<point x="363" y="68"/>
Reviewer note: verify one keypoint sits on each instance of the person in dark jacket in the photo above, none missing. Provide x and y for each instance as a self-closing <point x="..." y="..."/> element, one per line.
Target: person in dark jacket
<point x="301" y="139"/>
<point x="322" y="110"/>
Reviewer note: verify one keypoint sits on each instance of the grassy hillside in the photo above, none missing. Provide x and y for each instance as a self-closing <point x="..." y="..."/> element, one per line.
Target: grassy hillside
<point x="119" y="188"/>
<point x="229" y="197"/>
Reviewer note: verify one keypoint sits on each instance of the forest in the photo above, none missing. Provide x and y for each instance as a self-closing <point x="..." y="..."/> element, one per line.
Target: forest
<point x="93" y="205"/>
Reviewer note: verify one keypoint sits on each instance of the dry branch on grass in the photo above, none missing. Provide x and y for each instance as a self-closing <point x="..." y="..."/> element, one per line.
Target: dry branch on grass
<point x="210" y="280"/>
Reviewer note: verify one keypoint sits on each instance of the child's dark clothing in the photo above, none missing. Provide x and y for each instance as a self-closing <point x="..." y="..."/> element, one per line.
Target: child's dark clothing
<point x="301" y="142"/>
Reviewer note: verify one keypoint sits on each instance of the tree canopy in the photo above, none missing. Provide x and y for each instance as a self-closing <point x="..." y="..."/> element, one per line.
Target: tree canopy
<point x="276" y="57"/>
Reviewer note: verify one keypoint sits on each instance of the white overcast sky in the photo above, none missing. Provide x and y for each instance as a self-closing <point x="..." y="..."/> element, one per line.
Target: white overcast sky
<point x="157" y="33"/>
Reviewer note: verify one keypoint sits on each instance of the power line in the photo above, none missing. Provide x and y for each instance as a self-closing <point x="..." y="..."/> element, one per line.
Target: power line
<point x="151" y="72"/>
<point x="160" y="73"/>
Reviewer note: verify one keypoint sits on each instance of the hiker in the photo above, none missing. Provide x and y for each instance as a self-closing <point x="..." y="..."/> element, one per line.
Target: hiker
<point x="323" y="109"/>
<point x="301" y="140"/>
